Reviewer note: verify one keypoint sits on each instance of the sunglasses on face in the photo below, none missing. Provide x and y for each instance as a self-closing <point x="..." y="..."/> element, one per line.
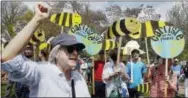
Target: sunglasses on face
<point x="70" y="49"/>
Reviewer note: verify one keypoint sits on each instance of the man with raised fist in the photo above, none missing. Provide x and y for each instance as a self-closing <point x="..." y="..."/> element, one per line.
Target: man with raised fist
<point x="56" y="78"/>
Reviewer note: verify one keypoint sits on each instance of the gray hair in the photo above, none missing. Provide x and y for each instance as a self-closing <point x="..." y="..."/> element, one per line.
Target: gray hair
<point x="53" y="54"/>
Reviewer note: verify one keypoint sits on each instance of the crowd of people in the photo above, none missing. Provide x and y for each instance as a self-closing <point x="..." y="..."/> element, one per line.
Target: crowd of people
<point x="63" y="75"/>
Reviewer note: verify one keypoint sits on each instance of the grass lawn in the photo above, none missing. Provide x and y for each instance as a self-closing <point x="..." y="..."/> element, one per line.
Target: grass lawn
<point x="3" y="90"/>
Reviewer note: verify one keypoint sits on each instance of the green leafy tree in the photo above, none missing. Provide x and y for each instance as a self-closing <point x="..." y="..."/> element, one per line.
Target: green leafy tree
<point x="178" y="16"/>
<point x="10" y="11"/>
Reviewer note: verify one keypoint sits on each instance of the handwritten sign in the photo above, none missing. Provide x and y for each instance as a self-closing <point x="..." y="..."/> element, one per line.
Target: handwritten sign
<point x="86" y="35"/>
<point x="168" y="42"/>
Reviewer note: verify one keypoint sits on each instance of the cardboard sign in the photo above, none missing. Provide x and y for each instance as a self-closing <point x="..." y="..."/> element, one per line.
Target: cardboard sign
<point x="109" y="44"/>
<point x="43" y="46"/>
<point x="123" y="27"/>
<point x="168" y="42"/>
<point x="66" y="19"/>
<point x="38" y="37"/>
<point x="88" y="37"/>
<point x="147" y="29"/>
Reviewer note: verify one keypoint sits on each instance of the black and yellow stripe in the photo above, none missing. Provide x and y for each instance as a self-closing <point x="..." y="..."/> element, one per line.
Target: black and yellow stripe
<point x="144" y="88"/>
<point x="109" y="45"/>
<point x="38" y="36"/>
<point x="66" y="19"/>
<point x="117" y="29"/>
<point x="148" y="29"/>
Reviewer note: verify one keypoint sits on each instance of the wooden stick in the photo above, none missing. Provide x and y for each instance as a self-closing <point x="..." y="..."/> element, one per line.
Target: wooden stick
<point x="34" y="52"/>
<point x="147" y="53"/>
<point x="62" y="29"/>
<point x="166" y="74"/>
<point x="93" y="76"/>
<point x="119" y="50"/>
<point x="105" y="57"/>
<point x="131" y="70"/>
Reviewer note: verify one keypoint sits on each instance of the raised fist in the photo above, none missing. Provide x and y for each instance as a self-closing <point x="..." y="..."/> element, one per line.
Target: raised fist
<point x="42" y="10"/>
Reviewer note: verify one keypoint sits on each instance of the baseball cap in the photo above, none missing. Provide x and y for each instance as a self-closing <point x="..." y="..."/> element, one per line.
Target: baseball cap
<point x="66" y="40"/>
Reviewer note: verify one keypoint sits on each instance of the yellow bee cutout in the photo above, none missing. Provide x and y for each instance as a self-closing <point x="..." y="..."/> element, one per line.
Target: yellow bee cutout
<point x="122" y="27"/>
<point x="147" y="29"/>
<point x="43" y="46"/>
<point x="109" y="44"/>
<point x="144" y="88"/>
<point x="39" y="36"/>
<point x="66" y="19"/>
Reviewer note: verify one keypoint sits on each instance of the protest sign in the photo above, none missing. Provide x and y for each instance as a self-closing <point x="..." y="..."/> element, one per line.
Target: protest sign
<point x="88" y="37"/>
<point x="168" y="42"/>
<point x="66" y="19"/>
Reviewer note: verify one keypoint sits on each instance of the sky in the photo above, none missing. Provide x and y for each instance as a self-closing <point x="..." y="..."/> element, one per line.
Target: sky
<point x="160" y="7"/>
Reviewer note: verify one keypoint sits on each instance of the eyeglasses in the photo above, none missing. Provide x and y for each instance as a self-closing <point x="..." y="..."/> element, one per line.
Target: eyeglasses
<point x="70" y="49"/>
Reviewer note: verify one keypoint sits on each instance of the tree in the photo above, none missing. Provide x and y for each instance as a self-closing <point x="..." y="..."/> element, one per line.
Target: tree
<point x="178" y="16"/>
<point x="132" y="12"/>
<point x="93" y="18"/>
<point x="114" y="13"/>
<point x="10" y="13"/>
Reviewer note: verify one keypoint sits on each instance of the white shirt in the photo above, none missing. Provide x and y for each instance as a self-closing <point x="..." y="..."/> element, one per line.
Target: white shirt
<point x="107" y="71"/>
<point x="44" y="79"/>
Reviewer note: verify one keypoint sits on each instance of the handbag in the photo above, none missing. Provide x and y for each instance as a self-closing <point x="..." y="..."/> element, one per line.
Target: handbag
<point x="115" y="93"/>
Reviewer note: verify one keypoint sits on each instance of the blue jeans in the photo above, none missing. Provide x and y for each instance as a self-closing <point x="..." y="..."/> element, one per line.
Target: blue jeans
<point x="99" y="89"/>
<point x="22" y="91"/>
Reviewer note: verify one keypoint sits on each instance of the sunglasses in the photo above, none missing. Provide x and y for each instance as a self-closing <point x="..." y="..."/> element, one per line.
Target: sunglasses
<point x="70" y="49"/>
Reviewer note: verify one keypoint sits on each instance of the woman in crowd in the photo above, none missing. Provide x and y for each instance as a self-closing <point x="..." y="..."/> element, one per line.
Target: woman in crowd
<point x="114" y="77"/>
<point x="158" y="79"/>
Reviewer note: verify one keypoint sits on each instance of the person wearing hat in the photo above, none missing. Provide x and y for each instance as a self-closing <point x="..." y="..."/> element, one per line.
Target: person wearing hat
<point x="55" y="78"/>
<point x="177" y="69"/>
<point x="139" y="69"/>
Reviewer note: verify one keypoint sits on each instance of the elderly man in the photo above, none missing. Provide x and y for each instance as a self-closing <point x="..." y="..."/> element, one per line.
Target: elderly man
<point x="48" y="79"/>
